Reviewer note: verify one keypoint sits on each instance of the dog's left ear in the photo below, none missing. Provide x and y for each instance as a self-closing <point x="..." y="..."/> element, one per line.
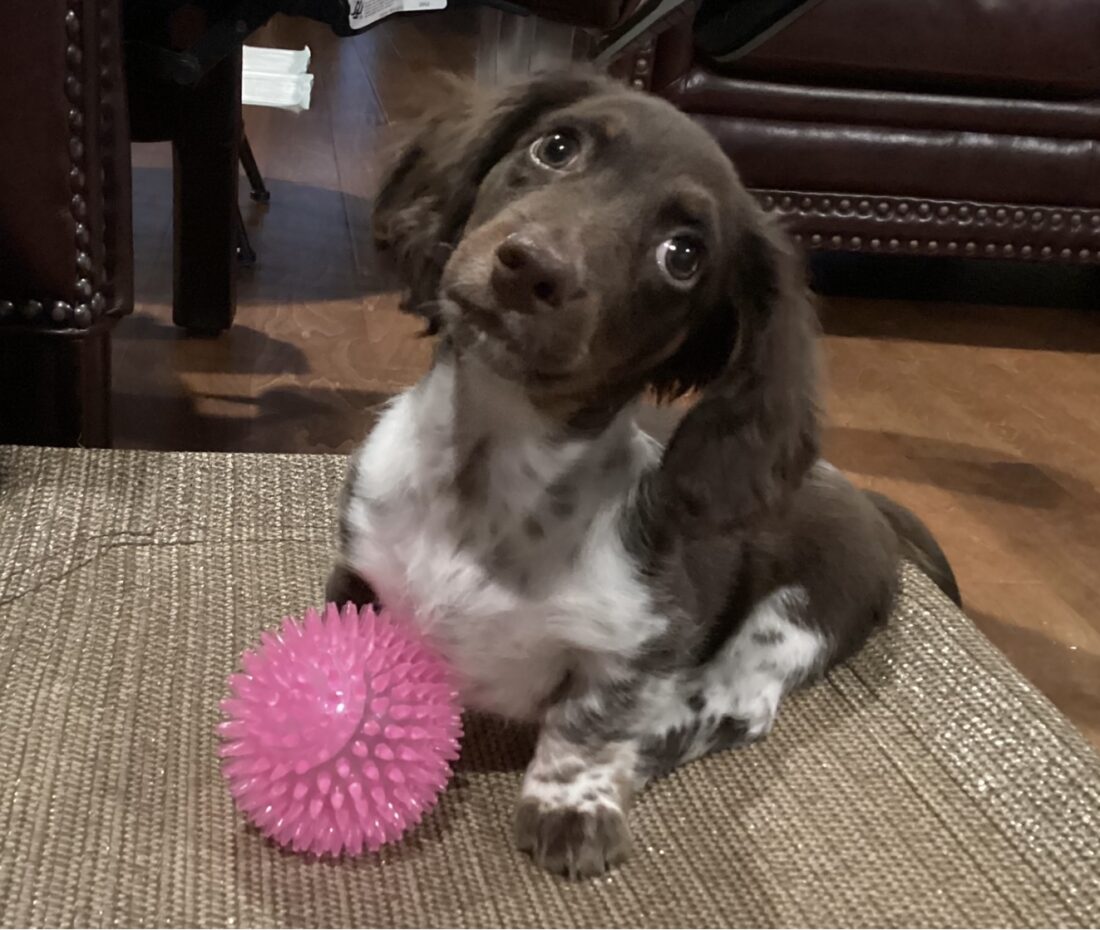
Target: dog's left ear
<point x="749" y="440"/>
<point x="426" y="199"/>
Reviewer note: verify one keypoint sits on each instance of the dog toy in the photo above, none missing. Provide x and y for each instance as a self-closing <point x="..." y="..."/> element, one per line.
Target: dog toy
<point x="340" y="731"/>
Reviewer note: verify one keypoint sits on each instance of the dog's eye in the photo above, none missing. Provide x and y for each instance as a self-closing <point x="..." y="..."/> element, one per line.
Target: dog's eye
<point x="680" y="258"/>
<point x="558" y="150"/>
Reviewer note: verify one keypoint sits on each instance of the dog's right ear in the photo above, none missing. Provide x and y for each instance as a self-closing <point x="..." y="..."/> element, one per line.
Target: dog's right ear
<point x="747" y="443"/>
<point x="423" y="205"/>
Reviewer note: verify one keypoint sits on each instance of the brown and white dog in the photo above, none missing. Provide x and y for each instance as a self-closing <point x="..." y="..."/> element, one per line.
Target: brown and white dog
<point x="575" y="244"/>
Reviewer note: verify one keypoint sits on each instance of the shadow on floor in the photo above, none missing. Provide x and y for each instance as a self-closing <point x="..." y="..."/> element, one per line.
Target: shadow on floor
<point x="958" y="467"/>
<point x="959" y="301"/>
<point x="312" y="244"/>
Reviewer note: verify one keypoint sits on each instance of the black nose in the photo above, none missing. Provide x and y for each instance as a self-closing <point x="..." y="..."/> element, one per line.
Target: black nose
<point x="529" y="271"/>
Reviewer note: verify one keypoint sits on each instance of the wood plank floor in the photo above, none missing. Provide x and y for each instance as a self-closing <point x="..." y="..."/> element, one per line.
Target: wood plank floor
<point x="982" y="418"/>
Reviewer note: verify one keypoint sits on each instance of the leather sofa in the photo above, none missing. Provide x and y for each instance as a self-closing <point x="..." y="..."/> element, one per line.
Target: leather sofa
<point x="65" y="239"/>
<point x="71" y="102"/>
<point x="944" y="127"/>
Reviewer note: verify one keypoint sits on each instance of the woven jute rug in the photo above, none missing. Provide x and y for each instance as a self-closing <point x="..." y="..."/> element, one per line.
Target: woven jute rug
<point x="925" y="783"/>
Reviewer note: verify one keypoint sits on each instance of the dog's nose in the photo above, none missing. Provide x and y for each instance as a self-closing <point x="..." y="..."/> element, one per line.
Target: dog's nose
<point x="529" y="271"/>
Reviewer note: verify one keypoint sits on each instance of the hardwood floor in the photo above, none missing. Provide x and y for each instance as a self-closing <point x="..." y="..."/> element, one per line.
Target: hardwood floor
<point x="982" y="418"/>
<point x="968" y="415"/>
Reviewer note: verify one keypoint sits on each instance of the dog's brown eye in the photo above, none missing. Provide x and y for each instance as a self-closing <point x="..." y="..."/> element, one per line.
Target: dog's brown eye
<point x="680" y="257"/>
<point x="557" y="150"/>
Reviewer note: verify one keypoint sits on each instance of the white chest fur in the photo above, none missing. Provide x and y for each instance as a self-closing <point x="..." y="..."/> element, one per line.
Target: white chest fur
<point x="501" y="541"/>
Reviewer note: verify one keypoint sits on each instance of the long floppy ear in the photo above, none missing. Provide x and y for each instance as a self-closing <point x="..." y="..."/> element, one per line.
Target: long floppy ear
<point x="748" y="441"/>
<point x="425" y="201"/>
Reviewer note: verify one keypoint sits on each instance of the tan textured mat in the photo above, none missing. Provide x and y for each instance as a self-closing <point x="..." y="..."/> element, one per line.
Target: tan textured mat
<point x="924" y="784"/>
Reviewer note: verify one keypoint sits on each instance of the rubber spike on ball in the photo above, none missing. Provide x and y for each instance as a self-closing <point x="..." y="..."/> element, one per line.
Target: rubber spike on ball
<point x="317" y="744"/>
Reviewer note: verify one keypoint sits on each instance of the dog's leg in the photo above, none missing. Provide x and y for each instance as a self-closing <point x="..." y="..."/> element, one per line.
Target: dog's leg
<point x="735" y="697"/>
<point x="572" y="814"/>
<point x="344" y="585"/>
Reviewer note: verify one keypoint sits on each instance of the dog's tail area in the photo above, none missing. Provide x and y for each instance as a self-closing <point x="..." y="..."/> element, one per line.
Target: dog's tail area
<point x="918" y="544"/>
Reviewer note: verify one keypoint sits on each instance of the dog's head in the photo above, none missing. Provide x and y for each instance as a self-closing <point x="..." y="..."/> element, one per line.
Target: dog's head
<point x="588" y="241"/>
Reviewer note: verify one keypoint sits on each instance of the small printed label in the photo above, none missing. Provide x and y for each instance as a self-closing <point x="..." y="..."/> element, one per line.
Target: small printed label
<point x="363" y="13"/>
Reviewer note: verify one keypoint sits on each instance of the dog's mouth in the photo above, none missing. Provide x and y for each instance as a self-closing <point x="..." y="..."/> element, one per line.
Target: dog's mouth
<point x="509" y="338"/>
<point x="483" y="321"/>
<point x="488" y="319"/>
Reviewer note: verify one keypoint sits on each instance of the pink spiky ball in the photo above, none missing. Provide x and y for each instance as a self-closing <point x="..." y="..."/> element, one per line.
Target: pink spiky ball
<point x="340" y="731"/>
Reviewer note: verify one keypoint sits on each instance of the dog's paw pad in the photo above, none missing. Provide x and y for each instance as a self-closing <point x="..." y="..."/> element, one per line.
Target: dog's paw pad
<point x="570" y="841"/>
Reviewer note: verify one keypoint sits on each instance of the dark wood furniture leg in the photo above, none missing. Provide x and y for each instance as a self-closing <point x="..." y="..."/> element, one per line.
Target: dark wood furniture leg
<point x="206" y="148"/>
<point x="259" y="193"/>
<point x="58" y="386"/>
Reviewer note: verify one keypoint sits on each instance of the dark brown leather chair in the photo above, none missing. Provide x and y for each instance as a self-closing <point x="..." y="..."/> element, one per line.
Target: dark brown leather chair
<point x="939" y="127"/>
<point x="65" y="239"/>
<point x="66" y="248"/>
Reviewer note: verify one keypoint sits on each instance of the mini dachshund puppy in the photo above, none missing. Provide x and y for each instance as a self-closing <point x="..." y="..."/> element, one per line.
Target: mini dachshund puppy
<point x="576" y="244"/>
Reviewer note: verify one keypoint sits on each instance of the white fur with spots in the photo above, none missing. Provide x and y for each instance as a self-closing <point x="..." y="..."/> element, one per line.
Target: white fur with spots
<point x="739" y="691"/>
<point x="424" y="549"/>
<point x="769" y="655"/>
<point x="563" y="776"/>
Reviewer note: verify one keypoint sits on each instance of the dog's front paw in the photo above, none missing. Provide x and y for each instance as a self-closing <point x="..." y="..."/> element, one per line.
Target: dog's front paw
<point x="571" y="841"/>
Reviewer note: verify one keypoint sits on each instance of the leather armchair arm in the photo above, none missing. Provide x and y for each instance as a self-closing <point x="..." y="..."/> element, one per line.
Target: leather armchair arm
<point x="65" y="232"/>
